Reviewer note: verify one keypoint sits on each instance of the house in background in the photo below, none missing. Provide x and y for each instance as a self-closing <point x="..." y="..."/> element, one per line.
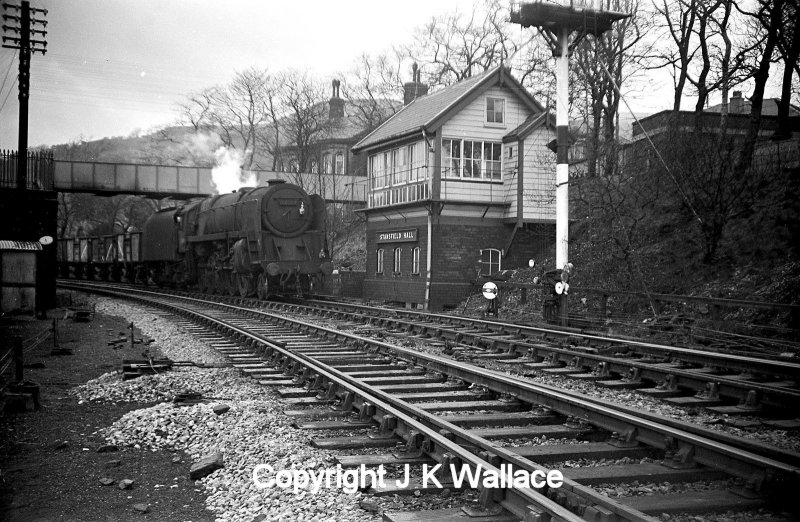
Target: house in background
<point x="327" y="165"/>
<point x="461" y="183"/>
<point x="660" y="129"/>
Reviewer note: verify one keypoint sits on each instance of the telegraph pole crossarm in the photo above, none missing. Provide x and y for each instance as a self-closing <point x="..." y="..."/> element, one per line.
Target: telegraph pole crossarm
<point x="26" y="45"/>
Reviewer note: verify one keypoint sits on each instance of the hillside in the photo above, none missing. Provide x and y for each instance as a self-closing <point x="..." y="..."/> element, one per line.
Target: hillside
<point x="168" y="146"/>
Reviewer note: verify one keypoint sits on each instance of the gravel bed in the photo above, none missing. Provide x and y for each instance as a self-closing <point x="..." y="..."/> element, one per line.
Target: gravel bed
<point x="254" y="431"/>
<point x="637" y="489"/>
<point x="446" y="499"/>
<point x="174" y="342"/>
<point x="597" y="463"/>
<point x="544" y="440"/>
<point x="217" y="383"/>
<point x="761" y="515"/>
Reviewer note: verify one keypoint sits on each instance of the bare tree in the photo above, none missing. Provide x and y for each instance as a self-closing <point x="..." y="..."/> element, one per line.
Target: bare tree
<point x="789" y="48"/>
<point x="372" y="88"/>
<point x="305" y="119"/>
<point x="238" y="112"/>
<point x="770" y="16"/>
<point x="704" y="50"/>
<point x="602" y="64"/>
<point x="453" y="47"/>
<point x="680" y="17"/>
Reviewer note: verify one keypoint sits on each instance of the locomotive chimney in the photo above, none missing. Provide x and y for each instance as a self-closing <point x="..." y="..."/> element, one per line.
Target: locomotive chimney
<point x="415" y="88"/>
<point x="336" y="104"/>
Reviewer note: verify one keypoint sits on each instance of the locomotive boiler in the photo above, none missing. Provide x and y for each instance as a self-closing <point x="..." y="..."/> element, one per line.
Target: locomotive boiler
<point x="255" y="241"/>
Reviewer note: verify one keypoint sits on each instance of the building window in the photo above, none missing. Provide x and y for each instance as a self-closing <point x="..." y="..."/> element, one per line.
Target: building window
<point x="491" y="261"/>
<point x="495" y="108"/>
<point x="415" y="261"/>
<point x="379" y="266"/>
<point x="340" y="163"/>
<point x="314" y="167"/>
<point x="327" y="166"/>
<point x="492" y="156"/>
<point x="472" y="159"/>
<point x="398" y="175"/>
<point x="397" y="255"/>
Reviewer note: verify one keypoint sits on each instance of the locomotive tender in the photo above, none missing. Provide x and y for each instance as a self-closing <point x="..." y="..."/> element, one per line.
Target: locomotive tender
<point x="255" y="241"/>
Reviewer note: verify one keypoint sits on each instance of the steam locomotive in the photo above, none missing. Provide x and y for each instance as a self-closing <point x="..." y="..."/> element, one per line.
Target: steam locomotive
<point x="256" y="241"/>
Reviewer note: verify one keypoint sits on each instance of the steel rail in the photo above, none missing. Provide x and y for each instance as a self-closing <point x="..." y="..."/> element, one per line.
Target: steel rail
<point x="394" y="407"/>
<point x="652" y="433"/>
<point x="742" y="363"/>
<point x="779" y="397"/>
<point x="749" y="445"/>
<point x="712" y="453"/>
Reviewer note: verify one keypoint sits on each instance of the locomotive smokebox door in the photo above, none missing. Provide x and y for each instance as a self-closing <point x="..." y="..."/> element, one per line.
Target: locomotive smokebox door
<point x="288" y="211"/>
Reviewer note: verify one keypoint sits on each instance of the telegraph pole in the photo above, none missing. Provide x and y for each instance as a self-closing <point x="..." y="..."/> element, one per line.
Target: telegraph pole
<point x="557" y="20"/>
<point x="19" y="24"/>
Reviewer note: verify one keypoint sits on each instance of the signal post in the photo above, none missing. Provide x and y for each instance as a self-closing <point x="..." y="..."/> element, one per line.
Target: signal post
<point x="556" y="21"/>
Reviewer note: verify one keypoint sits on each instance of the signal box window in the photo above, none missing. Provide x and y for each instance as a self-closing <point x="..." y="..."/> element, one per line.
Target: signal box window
<point x="495" y="110"/>
<point x="491" y="261"/>
<point x="379" y="267"/>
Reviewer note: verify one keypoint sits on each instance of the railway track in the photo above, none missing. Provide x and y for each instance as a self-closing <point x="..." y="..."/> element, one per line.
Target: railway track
<point x="726" y="384"/>
<point x="723" y="383"/>
<point x="455" y="413"/>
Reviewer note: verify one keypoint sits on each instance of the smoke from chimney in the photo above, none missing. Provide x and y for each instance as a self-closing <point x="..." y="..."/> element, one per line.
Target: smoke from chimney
<point x="228" y="176"/>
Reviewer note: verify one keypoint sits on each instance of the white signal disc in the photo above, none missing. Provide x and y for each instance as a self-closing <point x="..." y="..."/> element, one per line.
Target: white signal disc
<point x="489" y="290"/>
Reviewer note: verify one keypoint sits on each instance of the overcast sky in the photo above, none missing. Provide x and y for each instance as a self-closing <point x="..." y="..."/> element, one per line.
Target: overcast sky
<point x="117" y="66"/>
<point x="114" y="66"/>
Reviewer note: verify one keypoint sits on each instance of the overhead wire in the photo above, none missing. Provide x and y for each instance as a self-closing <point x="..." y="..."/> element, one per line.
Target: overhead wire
<point x="10" y="66"/>
<point x="11" y="88"/>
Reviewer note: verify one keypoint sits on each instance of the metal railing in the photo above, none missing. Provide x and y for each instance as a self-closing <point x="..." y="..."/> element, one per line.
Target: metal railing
<point x="39" y="172"/>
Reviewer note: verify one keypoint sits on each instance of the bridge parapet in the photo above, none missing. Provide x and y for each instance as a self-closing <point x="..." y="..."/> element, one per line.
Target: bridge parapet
<point x="157" y="181"/>
<point x="162" y="181"/>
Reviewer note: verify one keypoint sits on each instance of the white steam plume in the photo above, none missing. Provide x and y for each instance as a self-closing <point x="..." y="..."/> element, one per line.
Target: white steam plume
<point x="227" y="176"/>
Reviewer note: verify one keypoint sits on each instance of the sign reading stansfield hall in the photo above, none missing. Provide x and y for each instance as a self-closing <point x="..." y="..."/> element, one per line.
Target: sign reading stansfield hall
<point x="398" y="236"/>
